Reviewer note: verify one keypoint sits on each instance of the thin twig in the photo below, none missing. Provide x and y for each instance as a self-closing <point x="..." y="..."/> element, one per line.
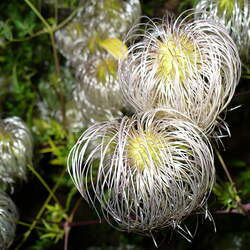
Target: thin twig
<point x="237" y="197"/>
<point x="224" y="167"/>
<point x="245" y="207"/>
<point x="45" y="31"/>
<point x="247" y="92"/>
<point x="90" y="222"/>
<point x="40" y="212"/>
<point x="40" y="178"/>
<point x="66" y="224"/>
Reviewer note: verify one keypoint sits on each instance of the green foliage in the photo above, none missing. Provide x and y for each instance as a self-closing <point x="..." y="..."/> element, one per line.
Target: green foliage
<point x="227" y="195"/>
<point x="54" y="216"/>
<point x="184" y="5"/>
<point x="244" y="180"/>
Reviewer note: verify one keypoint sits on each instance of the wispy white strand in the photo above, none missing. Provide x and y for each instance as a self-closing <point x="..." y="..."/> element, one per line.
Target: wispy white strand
<point x="236" y="18"/>
<point x="147" y="172"/>
<point x="203" y="73"/>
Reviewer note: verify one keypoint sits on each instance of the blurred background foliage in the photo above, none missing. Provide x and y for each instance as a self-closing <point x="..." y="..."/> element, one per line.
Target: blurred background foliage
<point x="52" y="213"/>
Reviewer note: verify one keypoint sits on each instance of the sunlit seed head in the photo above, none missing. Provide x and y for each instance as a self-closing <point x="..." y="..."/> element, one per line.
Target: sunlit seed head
<point x="143" y="149"/>
<point x="192" y="66"/>
<point x="174" y="57"/>
<point x="146" y="173"/>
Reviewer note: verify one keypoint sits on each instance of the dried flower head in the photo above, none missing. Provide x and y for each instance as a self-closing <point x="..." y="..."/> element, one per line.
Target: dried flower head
<point x="190" y="66"/>
<point x="91" y="44"/>
<point x="147" y="172"/>
<point x="235" y="15"/>
<point x="96" y="20"/>
<point x="97" y="91"/>
<point x="50" y="106"/>
<point x="16" y="149"/>
<point x="8" y="219"/>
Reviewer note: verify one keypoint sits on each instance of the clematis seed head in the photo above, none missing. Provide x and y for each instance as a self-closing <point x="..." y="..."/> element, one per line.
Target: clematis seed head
<point x="192" y="66"/>
<point x="16" y="147"/>
<point x="8" y="218"/>
<point x="234" y="15"/>
<point x="144" y="173"/>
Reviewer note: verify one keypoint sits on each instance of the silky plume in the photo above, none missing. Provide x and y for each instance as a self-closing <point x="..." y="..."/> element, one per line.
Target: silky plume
<point x="235" y="16"/>
<point x="145" y="173"/>
<point x="8" y="219"/>
<point x="189" y="65"/>
<point x="16" y="147"/>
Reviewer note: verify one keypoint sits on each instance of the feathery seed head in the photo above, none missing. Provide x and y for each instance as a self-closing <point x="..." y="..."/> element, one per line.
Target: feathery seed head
<point x="191" y="66"/>
<point x="94" y="55"/>
<point x="234" y="15"/>
<point x="104" y="18"/>
<point x="146" y="173"/>
<point x="8" y="218"/>
<point x="16" y="149"/>
<point x="228" y="6"/>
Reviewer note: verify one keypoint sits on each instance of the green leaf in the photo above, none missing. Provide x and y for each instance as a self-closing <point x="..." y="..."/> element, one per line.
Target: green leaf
<point x="6" y="31"/>
<point x="237" y="163"/>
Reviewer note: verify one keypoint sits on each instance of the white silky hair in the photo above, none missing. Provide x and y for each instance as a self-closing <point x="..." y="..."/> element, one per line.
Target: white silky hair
<point x="201" y="89"/>
<point x="98" y="100"/>
<point x="8" y="219"/>
<point x="16" y="148"/>
<point x="175" y="182"/>
<point x="237" y="22"/>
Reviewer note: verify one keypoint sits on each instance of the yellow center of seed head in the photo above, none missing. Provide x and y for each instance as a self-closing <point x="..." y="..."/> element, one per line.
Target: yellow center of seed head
<point x="107" y="67"/>
<point x="144" y="150"/>
<point x="228" y="6"/>
<point x="177" y="57"/>
<point x="5" y="137"/>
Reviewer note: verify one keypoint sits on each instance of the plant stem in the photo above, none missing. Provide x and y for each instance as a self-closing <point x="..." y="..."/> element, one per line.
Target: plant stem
<point x="38" y="14"/>
<point x="36" y="227"/>
<point x="50" y="30"/>
<point x="39" y="177"/>
<point x="40" y="212"/>
<point x="67" y="223"/>
<point x="237" y="197"/>
<point x="246" y="208"/>
<point x="46" y="31"/>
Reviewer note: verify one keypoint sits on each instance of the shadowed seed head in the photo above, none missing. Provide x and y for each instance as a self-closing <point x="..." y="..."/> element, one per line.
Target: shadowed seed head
<point x="8" y="219"/>
<point x="16" y="146"/>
